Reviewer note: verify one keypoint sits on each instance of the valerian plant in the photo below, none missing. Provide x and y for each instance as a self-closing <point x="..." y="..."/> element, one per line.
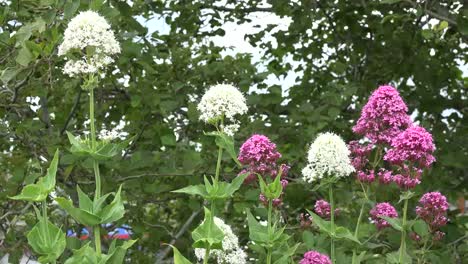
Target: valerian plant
<point x="88" y="44"/>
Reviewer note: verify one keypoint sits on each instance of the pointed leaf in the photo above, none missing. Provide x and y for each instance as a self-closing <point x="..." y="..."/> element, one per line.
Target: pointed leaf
<point x="194" y="190"/>
<point x="394" y="222"/>
<point x="32" y="193"/>
<point x="118" y="254"/>
<point x="84" y="201"/>
<point x="257" y="232"/>
<point x="226" y="142"/>
<point x="235" y="184"/>
<point x="114" y="211"/>
<point x="324" y="226"/>
<point x="207" y="233"/>
<point x="83" y="217"/>
<point x="178" y="257"/>
<point x="343" y="232"/>
<point x="84" y="255"/>
<point x="49" y="244"/>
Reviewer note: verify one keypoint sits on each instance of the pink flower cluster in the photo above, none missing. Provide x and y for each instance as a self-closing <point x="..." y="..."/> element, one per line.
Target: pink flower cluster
<point x="359" y="154"/>
<point x="382" y="209"/>
<point x="259" y="154"/>
<point x="414" y="145"/>
<point x="384" y="116"/>
<point x="432" y="209"/>
<point x="385" y="176"/>
<point x="314" y="257"/>
<point x="260" y="157"/>
<point x="322" y="208"/>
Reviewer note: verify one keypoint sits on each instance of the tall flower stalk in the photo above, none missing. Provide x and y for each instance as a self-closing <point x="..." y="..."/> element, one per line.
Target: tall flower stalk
<point x="89" y="44"/>
<point x="328" y="161"/>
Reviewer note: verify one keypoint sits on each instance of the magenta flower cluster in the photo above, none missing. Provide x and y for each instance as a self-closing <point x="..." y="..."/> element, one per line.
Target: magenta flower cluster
<point x="322" y="208"/>
<point x="414" y="145"/>
<point x="260" y="156"/>
<point x="382" y="209"/>
<point x="359" y="154"/>
<point x="432" y="209"/>
<point x="314" y="257"/>
<point x="383" y="117"/>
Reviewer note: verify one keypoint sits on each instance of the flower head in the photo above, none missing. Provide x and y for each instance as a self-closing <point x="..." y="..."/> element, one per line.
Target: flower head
<point x="89" y="36"/>
<point x="382" y="209"/>
<point x="260" y="156"/>
<point x="220" y="101"/>
<point x="328" y="156"/>
<point x="231" y="252"/>
<point x="359" y="154"/>
<point x="432" y="209"/>
<point x="322" y="209"/>
<point x="384" y="116"/>
<point x="385" y="176"/>
<point x="414" y="145"/>
<point x="314" y="257"/>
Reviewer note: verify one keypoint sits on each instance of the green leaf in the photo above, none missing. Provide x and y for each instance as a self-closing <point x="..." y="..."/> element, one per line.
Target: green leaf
<point x="235" y="184"/>
<point x="257" y="232"/>
<point x="406" y="196"/>
<point x="421" y="228"/>
<point x="8" y="74"/>
<point x="194" y="190"/>
<point x="84" y="255"/>
<point x="207" y="233"/>
<point x="49" y="242"/>
<point x="323" y="225"/>
<point x="104" y="149"/>
<point x="178" y="257"/>
<point x="117" y="255"/>
<point x="70" y="8"/>
<point x="342" y="232"/>
<point x="114" y="211"/>
<point x="82" y="216"/>
<point x="84" y="201"/>
<point x="39" y="191"/>
<point x="24" y="56"/>
<point x="394" y="222"/>
<point x="394" y="258"/>
<point x="32" y="193"/>
<point x="226" y="142"/>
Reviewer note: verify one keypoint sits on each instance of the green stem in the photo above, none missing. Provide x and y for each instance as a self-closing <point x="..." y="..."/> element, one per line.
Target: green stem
<point x="270" y="207"/>
<point x="45" y="220"/>
<point x="97" y="193"/>
<point x="207" y="255"/>
<point x="332" y="222"/>
<point x="358" y="224"/>
<point x="356" y="231"/>
<point x="421" y="260"/>
<point x="403" y="233"/>
<point x="218" y="163"/>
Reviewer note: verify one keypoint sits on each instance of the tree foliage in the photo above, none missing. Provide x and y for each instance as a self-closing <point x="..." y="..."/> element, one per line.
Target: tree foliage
<point x="340" y="51"/>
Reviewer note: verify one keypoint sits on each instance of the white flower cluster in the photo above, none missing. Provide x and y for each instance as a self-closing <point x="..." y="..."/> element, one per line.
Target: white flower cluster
<point x="232" y="253"/>
<point x="88" y="30"/>
<point x="328" y="156"/>
<point x="222" y="100"/>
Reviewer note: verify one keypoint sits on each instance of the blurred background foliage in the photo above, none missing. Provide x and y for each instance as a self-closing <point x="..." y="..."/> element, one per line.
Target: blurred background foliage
<point x="339" y="52"/>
